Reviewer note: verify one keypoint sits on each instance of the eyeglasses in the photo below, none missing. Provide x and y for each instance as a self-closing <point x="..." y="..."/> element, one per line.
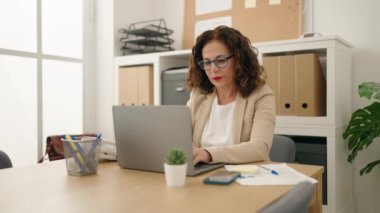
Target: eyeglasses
<point x="220" y="61"/>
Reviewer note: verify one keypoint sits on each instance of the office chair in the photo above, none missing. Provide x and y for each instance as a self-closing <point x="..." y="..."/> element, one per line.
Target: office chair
<point x="5" y="161"/>
<point x="296" y="200"/>
<point x="283" y="149"/>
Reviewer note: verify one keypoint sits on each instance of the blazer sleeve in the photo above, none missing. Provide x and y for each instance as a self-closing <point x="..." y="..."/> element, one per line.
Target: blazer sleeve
<point x="255" y="143"/>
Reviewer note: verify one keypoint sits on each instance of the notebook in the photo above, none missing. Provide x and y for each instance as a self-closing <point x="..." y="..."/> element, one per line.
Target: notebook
<point x="145" y="134"/>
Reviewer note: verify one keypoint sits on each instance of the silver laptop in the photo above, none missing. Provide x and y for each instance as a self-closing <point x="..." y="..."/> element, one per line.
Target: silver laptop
<point x="145" y="134"/>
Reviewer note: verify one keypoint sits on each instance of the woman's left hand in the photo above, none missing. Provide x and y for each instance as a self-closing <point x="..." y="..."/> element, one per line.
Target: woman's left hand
<point x="200" y="155"/>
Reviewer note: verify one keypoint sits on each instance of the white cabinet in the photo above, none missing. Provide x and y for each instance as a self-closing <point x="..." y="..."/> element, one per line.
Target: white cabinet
<point x="335" y="56"/>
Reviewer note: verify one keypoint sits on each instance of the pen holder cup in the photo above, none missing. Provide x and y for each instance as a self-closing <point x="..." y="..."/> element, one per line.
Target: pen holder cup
<point x="82" y="155"/>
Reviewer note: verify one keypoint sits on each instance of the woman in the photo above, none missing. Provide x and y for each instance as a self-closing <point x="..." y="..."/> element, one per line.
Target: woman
<point x="233" y="111"/>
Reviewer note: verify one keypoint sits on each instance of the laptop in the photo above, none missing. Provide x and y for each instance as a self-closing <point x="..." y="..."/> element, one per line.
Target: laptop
<point x="145" y="134"/>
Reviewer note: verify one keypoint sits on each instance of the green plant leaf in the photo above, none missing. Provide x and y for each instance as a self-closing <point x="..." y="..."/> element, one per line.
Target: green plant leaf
<point x="363" y="127"/>
<point x="370" y="90"/>
<point x="176" y="157"/>
<point x="369" y="167"/>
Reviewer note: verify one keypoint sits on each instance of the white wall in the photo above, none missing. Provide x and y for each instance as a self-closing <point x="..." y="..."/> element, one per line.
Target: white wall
<point x="173" y="12"/>
<point x="359" y="23"/>
<point x="104" y="42"/>
<point x="356" y="21"/>
<point x="131" y="11"/>
<point x="127" y="12"/>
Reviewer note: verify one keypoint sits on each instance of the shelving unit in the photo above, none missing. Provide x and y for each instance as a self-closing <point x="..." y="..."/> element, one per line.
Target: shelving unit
<point x="335" y="56"/>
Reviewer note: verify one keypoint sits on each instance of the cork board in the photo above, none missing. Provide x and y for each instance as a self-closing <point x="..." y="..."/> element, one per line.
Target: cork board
<point x="264" y="22"/>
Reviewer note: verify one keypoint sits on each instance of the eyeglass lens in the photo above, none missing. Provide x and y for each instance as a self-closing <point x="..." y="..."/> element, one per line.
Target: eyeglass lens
<point x="220" y="61"/>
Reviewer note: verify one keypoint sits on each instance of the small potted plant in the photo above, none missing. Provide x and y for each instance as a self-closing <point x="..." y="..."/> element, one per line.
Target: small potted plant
<point x="175" y="168"/>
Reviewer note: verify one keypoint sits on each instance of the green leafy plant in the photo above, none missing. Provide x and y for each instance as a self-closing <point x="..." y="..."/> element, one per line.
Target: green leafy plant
<point x="364" y="125"/>
<point x="176" y="157"/>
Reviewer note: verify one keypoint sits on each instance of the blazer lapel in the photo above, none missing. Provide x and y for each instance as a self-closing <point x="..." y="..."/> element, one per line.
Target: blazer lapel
<point x="238" y="117"/>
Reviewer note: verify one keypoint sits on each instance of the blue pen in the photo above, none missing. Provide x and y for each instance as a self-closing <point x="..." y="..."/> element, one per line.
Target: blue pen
<point x="273" y="172"/>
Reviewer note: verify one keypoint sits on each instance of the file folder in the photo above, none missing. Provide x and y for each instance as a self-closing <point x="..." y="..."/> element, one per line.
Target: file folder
<point x="298" y="83"/>
<point x="136" y="85"/>
<point x="311" y="86"/>
<point x="287" y="85"/>
<point x="270" y="64"/>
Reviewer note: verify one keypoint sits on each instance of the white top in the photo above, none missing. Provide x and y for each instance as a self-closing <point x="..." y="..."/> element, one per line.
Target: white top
<point x="218" y="130"/>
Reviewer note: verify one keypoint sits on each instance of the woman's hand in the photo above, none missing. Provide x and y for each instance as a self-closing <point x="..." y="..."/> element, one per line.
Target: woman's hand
<point x="200" y="155"/>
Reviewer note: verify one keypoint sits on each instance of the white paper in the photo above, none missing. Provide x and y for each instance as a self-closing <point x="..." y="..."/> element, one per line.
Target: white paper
<point x="250" y="3"/>
<point x="211" y="6"/>
<point x="273" y="2"/>
<point x="244" y="169"/>
<point x="287" y="176"/>
<point x="209" y="24"/>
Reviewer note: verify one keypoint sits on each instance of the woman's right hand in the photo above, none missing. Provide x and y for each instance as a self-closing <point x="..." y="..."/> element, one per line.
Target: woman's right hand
<point x="201" y="155"/>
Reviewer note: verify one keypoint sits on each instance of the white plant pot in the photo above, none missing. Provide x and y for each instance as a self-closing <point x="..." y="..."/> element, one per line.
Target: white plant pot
<point x="175" y="175"/>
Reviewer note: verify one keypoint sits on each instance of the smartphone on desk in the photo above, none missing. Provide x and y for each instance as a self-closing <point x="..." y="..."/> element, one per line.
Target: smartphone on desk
<point x="221" y="178"/>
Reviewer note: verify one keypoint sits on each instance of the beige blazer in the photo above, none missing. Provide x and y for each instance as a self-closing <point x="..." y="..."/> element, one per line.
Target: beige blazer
<point x="254" y="121"/>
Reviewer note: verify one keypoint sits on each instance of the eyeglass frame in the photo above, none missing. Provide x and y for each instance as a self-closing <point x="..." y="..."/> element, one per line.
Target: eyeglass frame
<point x="227" y="58"/>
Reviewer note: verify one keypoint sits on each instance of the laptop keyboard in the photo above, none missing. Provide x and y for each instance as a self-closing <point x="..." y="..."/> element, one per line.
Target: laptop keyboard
<point x="201" y="165"/>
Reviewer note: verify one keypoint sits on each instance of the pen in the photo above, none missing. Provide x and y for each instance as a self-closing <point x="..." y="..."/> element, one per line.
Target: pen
<point x="273" y="172"/>
<point x="77" y="152"/>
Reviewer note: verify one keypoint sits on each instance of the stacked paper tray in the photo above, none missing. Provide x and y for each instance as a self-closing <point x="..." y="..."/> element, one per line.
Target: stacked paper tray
<point x="145" y="37"/>
<point x="150" y="31"/>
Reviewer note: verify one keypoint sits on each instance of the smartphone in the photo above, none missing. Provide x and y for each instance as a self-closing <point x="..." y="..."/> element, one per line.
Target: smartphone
<point x="221" y="178"/>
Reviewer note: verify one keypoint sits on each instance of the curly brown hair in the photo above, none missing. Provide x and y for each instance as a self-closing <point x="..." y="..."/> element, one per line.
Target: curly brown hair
<point x="249" y="73"/>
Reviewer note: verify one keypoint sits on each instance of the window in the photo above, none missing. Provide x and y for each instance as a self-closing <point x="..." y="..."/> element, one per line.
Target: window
<point x="21" y="32"/>
<point x="62" y="28"/>
<point x="62" y="97"/>
<point x="18" y="108"/>
<point x="41" y="78"/>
